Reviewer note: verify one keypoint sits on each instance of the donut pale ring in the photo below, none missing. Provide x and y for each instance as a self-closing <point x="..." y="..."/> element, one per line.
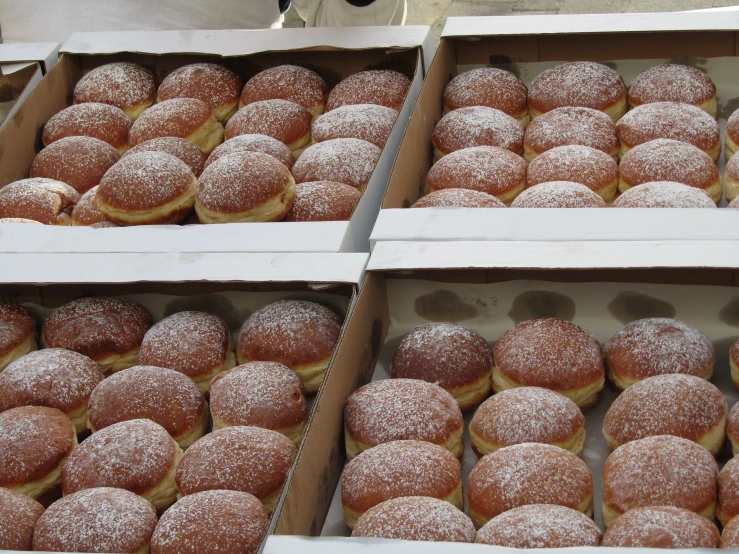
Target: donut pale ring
<point x="491" y="87"/>
<point x="732" y="135"/>
<point x="659" y="471"/>
<point x="527" y="414"/>
<point x="664" y="194"/>
<point x="17" y="333"/>
<point x="577" y="164"/>
<point x="732" y="422"/>
<point x="661" y="527"/>
<point x="730" y="536"/>
<point x="402" y="409"/>
<point x="86" y="211"/>
<point x="728" y="492"/>
<point x="79" y="162"/>
<point x="100" y="121"/>
<point x="185" y="150"/>
<point x="416" y="518"/>
<point x="212" y="521"/>
<point x="450" y="355"/>
<point x="731" y="178"/>
<point x="18" y="515"/>
<point x="488" y="169"/>
<point x="558" y="194"/>
<point x="581" y="84"/>
<point x="542" y="473"/>
<point x="44" y="200"/>
<point x="348" y="161"/>
<point x="673" y="82"/>
<point x="368" y="122"/>
<point x="540" y="526"/>
<point x="165" y="396"/>
<point x="682" y="405"/>
<point x="377" y="86"/>
<point x="125" y="85"/>
<point x="283" y="120"/>
<point x="458" y="198"/>
<point x="657" y="346"/>
<point x="287" y="82"/>
<point x="254" y="143"/>
<point x="323" y="201"/>
<point x="35" y="442"/>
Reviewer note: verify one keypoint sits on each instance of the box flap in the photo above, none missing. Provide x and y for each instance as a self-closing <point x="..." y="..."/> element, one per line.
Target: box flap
<point x="45" y="53"/>
<point x="17" y="81"/>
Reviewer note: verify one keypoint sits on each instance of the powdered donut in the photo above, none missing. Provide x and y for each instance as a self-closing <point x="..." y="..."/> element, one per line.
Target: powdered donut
<point x="44" y="200"/>
<point x="185" y="150"/>
<point x="664" y="194"/>
<point x="283" y="120"/>
<point x="377" y="86"/>
<point x="558" y="194"/>
<point x="18" y="220"/>
<point x="730" y="536"/>
<point x="733" y="204"/>
<point x="661" y="527"/>
<point x="86" y="211"/>
<point x="347" y="160"/>
<point x="287" y="82"/>
<point x="253" y="143"/>
<point x="731" y="178"/>
<point x="732" y="422"/>
<point x="92" y="119"/>
<point x="728" y="492"/>
<point x="672" y="82"/>
<point x="732" y="135"/>
<point x="18" y="515"/>
<point x="458" y="198"/>
<point x="362" y="121"/>
<point x="323" y="201"/>
<point x="125" y="85"/>
<point x="491" y="87"/>
<point x="17" y="333"/>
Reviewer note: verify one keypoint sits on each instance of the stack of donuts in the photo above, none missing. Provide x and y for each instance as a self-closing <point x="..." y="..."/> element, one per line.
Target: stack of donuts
<point x="131" y="153"/>
<point x="123" y="436"/>
<point x="567" y="141"/>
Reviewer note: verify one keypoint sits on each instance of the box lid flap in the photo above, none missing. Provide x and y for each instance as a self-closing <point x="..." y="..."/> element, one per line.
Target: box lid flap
<point x="45" y="53"/>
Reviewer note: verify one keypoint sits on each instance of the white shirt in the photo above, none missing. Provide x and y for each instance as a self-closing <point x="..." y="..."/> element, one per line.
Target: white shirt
<point x="339" y="13"/>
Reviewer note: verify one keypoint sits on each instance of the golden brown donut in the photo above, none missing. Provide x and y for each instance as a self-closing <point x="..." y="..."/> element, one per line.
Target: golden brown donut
<point x="180" y="148"/>
<point x="35" y="442"/>
<point x="96" y="520"/>
<point x="347" y="160"/>
<point x="458" y="198"/>
<point x="247" y="459"/>
<point x="44" y="200"/>
<point x="18" y="515"/>
<point x="732" y="421"/>
<point x="254" y="143"/>
<point x="107" y="330"/>
<point x="323" y="201"/>
<point x="661" y="527"/>
<point x="297" y="333"/>
<point x="165" y="396"/>
<point x="100" y="121"/>
<point x="450" y="355"/>
<point x="731" y="177"/>
<point x="17" y="333"/>
<point x="476" y="126"/>
<point x="125" y="85"/>
<point x="283" y="120"/>
<point x="368" y="122"/>
<point x="664" y="194"/>
<point x="580" y="84"/>
<point x="542" y="473"/>
<point x="244" y="187"/>
<point x="673" y="82"/>
<point x="657" y="346"/>
<point x="732" y="135"/>
<point x="730" y="536"/>
<point x="376" y="86"/>
<point x="396" y="469"/>
<point x="86" y="211"/>
<point x="79" y="162"/>
<point x="540" y="526"/>
<point x="287" y="82"/>
<point x="661" y="470"/>
<point x="491" y="87"/>
<point x="558" y="194"/>
<point x="680" y="405"/>
<point x="728" y="492"/>
<point x="402" y="409"/>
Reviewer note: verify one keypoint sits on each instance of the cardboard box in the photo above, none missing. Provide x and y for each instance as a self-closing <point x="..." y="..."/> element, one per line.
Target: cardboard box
<point x="334" y="53"/>
<point x="634" y="42"/>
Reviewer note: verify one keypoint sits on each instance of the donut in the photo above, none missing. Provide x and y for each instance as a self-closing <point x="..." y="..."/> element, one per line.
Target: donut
<point x="323" y="201"/>
<point x="558" y="194"/>
<point x="86" y="211"/>
<point x="217" y="86"/>
<point x="730" y="536"/>
<point x="287" y="82"/>
<point x="79" y="162"/>
<point x="681" y="405"/>
<point x="661" y="527"/>
<point x="247" y="459"/>
<point x="254" y="143"/>
<point x="553" y="354"/>
<point x="733" y="204"/>
<point x="674" y="82"/>
<point x="491" y="87"/>
<point x="576" y="164"/>
<point x="44" y="200"/>
<point x="731" y="178"/>
<point x="476" y="126"/>
<point x="540" y="526"/>
<point x="570" y="126"/>
<point x="35" y="442"/>
<point x="489" y="169"/>
<point x="657" y="346"/>
<point x="732" y="135"/>
<point x="18" y="220"/>
<point x="260" y="394"/>
<point x="211" y="521"/>
<point x="102" y="519"/>
<point x="368" y="122"/>
<point x="180" y="148"/>
<point x="396" y="469"/>
<point x="458" y="198"/>
<point x="244" y="187"/>
<point x="103" y="225"/>
<point x="664" y="194"/>
<point x="187" y="118"/>
<point x="197" y="344"/>
<point x="450" y="355"/>
<point x="92" y="119"/>
<point x="164" y="396"/>
<point x="18" y="515"/>
<point x="728" y="492"/>
<point x="283" y="120"/>
<point x="347" y="160"/>
<point x="527" y="414"/>
<point x="732" y="422"/>
<point x="402" y="409"/>
<point x="661" y="470"/>
<point x="107" y="330"/>
<point x="671" y="120"/>
<point x="383" y="87"/>
<point x="17" y="333"/>
<point x="416" y="518"/>
<point x="125" y="85"/>
<point x="297" y="333"/>
<point x="580" y="84"/>
<point x="542" y="473"/>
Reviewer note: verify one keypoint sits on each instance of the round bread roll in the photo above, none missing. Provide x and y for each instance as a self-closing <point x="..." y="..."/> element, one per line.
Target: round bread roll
<point x="185" y="150"/>
<point x="542" y="473"/>
<point x="402" y="409"/>
<point x="287" y="82"/>
<point x="86" y="211"/>
<point x="540" y="526"/>
<point x="244" y="187"/>
<point x="260" y="394"/>
<point x="107" y="330"/>
<point x="732" y="421"/>
<point x="491" y="87"/>
<point x="731" y="178"/>
<point x="35" y="442"/>
<point x="657" y="346"/>
<point x="164" y="396"/>
<point x="527" y="414"/>
<point x="348" y="161"/>
<point x="247" y="459"/>
<point x="44" y="200"/>
<point x="732" y="135"/>
<point x="730" y="536"/>
<point x="383" y="87"/>
<point x="660" y="470"/>
<point x="18" y="515"/>
<point x="323" y="201"/>
<point x="673" y="82"/>
<point x="299" y="334"/>
<point x="664" y="194"/>
<point x="254" y="143"/>
<point x="728" y="492"/>
<point x="577" y="164"/>
<point x="125" y="85"/>
<point x="368" y="122"/>
<point x="450" y="355"/>
<point x="458" y="198"/>
<point x="558" y="194"/>
<point x="681" y="405"/>
<point x="92" y="119"/>
<point x="96" y="520"/>
<point x="17" y="333"/>
<point x="283" y="120"/>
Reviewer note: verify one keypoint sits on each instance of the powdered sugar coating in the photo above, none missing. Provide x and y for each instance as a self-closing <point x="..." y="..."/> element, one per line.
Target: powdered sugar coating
<point x="16" y="326"/>
<point x="477" y="126"/>
<point x="214" y="84"/>
<point x="253" y="143"/>
<point x="661" y="527"/>
<point x="732" y="421"/>
<point x="86" y="211"/>
<point x="92" y="119"/>
<point x="728" y="491"/>
<point x="182" y="149"/>
<point x="558" y="194"/>
<point x="664" y="194"/>
<point x="323" y="201"/>
<point x="458" y="198"/>
<point x="730" y="536"/>
<point x="179" y="117"/>
<point x="575" y="163"/>
<point x="283" y="120"/>
<point x="734" y="203"/>
<point x="18" y="220"/>
<point x="18" y="515"/>
<point x="286" y="82"/>
<point x="368" y="122"/>
<point x="671" y="82"/>
<point x="44" y="200"/>
<point x="120" y="84"/>
<point x="486" y="86"/>
<point x="345" y="160"/>
<point x="732" y="127"/>
<point x="377" y="86"/>
<point x="732" y="169"/>
<point x="572" y="125"/>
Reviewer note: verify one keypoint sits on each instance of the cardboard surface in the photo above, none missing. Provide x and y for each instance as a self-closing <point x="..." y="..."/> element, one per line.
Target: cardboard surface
<point x="17" y="81"/>
<point x="46" y="53"/>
